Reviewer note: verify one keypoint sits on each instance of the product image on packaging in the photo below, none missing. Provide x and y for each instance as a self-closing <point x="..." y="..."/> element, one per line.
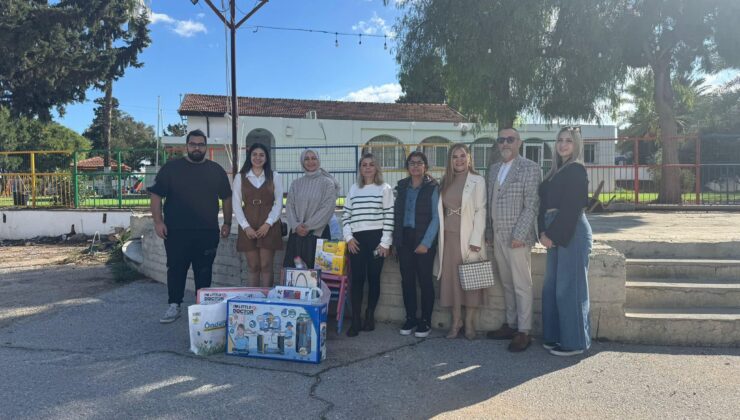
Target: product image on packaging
<point x="301" y="278"/>
<point x="330" y="256"/>
<point x="276" y="330"/>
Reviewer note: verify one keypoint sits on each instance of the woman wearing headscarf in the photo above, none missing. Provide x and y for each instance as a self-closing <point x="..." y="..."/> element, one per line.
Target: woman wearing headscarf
<point x="311" y="204"/>
<point x="566" y="233"/>
<point x="257" y="204"/>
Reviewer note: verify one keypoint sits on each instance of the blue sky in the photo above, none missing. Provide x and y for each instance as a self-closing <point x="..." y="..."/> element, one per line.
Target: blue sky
<point x="189" y="50"/>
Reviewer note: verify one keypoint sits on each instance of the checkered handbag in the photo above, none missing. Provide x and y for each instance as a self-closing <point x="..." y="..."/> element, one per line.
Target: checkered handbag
<point x="476" y="275"/>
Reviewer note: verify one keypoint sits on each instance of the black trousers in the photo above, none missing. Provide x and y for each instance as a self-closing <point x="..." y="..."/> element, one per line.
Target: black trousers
<point x="416" y="267"/>
<point x="185" y="248"/>
<point x="304" y="247"/>
<point x="365" y="266"/>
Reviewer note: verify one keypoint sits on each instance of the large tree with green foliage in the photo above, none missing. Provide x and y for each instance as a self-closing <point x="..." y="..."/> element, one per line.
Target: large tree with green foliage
<point x="53" y="51"/>
<point x="502" y="58"/>
<point x="23" y="133"/>
<point x="673" y="37"/>
<point x="421" y="80"/>
<point x="135" y="139"/>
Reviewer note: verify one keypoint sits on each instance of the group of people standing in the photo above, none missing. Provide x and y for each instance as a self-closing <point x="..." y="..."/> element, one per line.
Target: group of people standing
<point x="432" y="227"/>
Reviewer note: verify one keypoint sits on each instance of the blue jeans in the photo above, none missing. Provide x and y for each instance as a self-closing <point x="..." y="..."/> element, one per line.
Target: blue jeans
<point x="565" y="303"/>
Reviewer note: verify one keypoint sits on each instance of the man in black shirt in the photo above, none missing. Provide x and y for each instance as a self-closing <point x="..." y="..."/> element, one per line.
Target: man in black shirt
<point x="191" y="187"/>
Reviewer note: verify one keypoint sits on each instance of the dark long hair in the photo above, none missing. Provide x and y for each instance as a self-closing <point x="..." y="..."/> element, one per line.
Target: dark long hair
<point x="248" y="162"/>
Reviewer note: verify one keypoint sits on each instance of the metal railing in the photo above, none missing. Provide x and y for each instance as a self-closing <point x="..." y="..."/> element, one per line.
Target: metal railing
<point x="620" y="169"/>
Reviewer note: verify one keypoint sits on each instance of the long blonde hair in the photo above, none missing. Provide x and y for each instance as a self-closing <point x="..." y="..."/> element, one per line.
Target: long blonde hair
<point x="576" y="157"/>
<point x="378" y="179"/>
<point x="450" y="171"/>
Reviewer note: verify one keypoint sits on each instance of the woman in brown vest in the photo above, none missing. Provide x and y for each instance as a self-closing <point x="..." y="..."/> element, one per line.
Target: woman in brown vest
<point x="258" y="203"/>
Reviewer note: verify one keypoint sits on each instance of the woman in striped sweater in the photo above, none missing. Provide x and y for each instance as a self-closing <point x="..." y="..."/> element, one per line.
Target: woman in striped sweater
<point x="368" y="230"/>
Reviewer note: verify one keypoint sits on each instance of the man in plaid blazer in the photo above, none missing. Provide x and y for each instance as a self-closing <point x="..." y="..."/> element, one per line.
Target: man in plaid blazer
<point x="512" y="207"/>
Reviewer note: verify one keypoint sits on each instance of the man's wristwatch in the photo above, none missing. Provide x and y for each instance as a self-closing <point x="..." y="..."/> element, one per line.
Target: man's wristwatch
<point x="227" y="223"/>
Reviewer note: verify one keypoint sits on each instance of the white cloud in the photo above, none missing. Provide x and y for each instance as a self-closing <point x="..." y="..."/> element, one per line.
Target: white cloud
<point x="200" y="15"/>
<point x="160" y="17"/>
<point x="375" y="26"/>
<point x="388" y="92"/>
<point x="184" y="28"/>
<point x="188" y="28"/>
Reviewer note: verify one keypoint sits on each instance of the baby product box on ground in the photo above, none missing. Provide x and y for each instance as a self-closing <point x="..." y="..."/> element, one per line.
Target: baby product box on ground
<point x="274" y="328"/>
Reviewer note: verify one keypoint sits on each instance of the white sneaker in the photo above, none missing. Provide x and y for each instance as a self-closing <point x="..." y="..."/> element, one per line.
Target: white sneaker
<point x="550" y="346"/>
<point x="558" y="351"/>
<point x="173" y="312"/>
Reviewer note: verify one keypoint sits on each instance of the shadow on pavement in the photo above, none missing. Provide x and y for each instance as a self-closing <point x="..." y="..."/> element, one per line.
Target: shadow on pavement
<point x="613" y="223"/>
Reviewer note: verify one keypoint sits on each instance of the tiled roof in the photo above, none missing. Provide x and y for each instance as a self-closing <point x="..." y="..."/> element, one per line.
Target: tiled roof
<point x="96" y="163"/>
<point x="215" y="105"/>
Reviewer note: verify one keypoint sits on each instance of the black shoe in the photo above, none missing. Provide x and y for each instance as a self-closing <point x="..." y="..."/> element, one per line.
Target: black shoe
<point x="369" y="324"/>
<point x="423" y="330"/>
<point x="408" y="327"/>
<point x="353" y="331"/>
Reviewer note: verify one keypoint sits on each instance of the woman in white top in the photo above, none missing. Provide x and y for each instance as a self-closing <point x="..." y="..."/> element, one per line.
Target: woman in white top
<point x="257" y="203"/>
<point x="368" y="230"/>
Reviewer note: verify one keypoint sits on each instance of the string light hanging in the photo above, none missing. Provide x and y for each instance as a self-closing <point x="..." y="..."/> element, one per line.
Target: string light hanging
<point x="336" y="34"/>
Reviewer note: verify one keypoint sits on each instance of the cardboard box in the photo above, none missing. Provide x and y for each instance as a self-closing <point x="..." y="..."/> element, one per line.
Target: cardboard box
<point x="331" y="256"/>
<point x="208" y="295"/>
<point x="277" y="329"/>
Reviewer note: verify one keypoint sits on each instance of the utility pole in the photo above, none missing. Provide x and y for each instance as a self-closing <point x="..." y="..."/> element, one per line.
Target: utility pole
<point x="233" y="25"/>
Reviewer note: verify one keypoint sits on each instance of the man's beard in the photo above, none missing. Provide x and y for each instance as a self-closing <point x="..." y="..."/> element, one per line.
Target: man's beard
<point x="506" y="153"/>
<point x="196" y="156"/>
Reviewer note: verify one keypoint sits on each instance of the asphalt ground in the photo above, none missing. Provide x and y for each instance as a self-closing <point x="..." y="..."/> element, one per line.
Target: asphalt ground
<point x="76" y="345"/>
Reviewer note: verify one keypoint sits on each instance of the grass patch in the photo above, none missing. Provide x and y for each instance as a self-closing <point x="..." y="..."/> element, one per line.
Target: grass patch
<point x="122" y="272"/>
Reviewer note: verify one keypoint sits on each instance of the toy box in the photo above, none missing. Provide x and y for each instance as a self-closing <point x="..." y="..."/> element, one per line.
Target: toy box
<point x="277" y="328"/>
<point x="209" y="295"/>
<point x="295" y="277"/>
<point x="331" y="256"/>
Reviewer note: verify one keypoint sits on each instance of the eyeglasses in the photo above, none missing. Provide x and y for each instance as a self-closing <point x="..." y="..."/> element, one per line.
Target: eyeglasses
<point x="416" y="163"/>
<point x="197" y="145"/>
<point x="502" y="140"/>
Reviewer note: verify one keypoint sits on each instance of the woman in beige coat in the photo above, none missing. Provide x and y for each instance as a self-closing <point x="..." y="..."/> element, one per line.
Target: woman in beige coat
<point x="462" y="223"/>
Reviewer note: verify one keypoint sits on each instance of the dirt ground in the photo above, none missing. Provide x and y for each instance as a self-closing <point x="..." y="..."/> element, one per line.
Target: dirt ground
<point x="39" y="278"/>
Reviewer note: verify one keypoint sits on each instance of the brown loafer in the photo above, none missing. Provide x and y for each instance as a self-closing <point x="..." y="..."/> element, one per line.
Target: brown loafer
<point x="503" y="333"/>
<point x="520" y="342"/>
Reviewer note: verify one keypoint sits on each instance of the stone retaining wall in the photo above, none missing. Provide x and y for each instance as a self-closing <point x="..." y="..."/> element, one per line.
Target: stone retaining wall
<point x="606" y="283"/>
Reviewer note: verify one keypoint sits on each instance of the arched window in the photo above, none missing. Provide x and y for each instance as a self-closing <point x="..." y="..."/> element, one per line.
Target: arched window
<point x="436" y="151"/>
<point x="484" y="152"/>
<point x="388" y="150"/>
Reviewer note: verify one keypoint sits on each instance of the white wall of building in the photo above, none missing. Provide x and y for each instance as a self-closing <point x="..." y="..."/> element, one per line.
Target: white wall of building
<point x="26" y="224"/>
<point x="298" y="133"/>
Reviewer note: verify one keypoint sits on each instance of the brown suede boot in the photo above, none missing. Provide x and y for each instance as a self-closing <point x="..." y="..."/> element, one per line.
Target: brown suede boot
<point x="519" y="343"/>
<point x="503" y="333"/>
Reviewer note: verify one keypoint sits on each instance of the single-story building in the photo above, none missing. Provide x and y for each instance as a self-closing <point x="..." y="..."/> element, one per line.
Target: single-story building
<point x="343" y="130"/>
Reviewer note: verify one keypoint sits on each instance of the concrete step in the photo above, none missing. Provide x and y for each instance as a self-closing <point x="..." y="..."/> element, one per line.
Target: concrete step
<point x="645" y="248"/>
<point x="684" y="326"/>
<point x="682" y="268"/>
<point x="683" y="293"/>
